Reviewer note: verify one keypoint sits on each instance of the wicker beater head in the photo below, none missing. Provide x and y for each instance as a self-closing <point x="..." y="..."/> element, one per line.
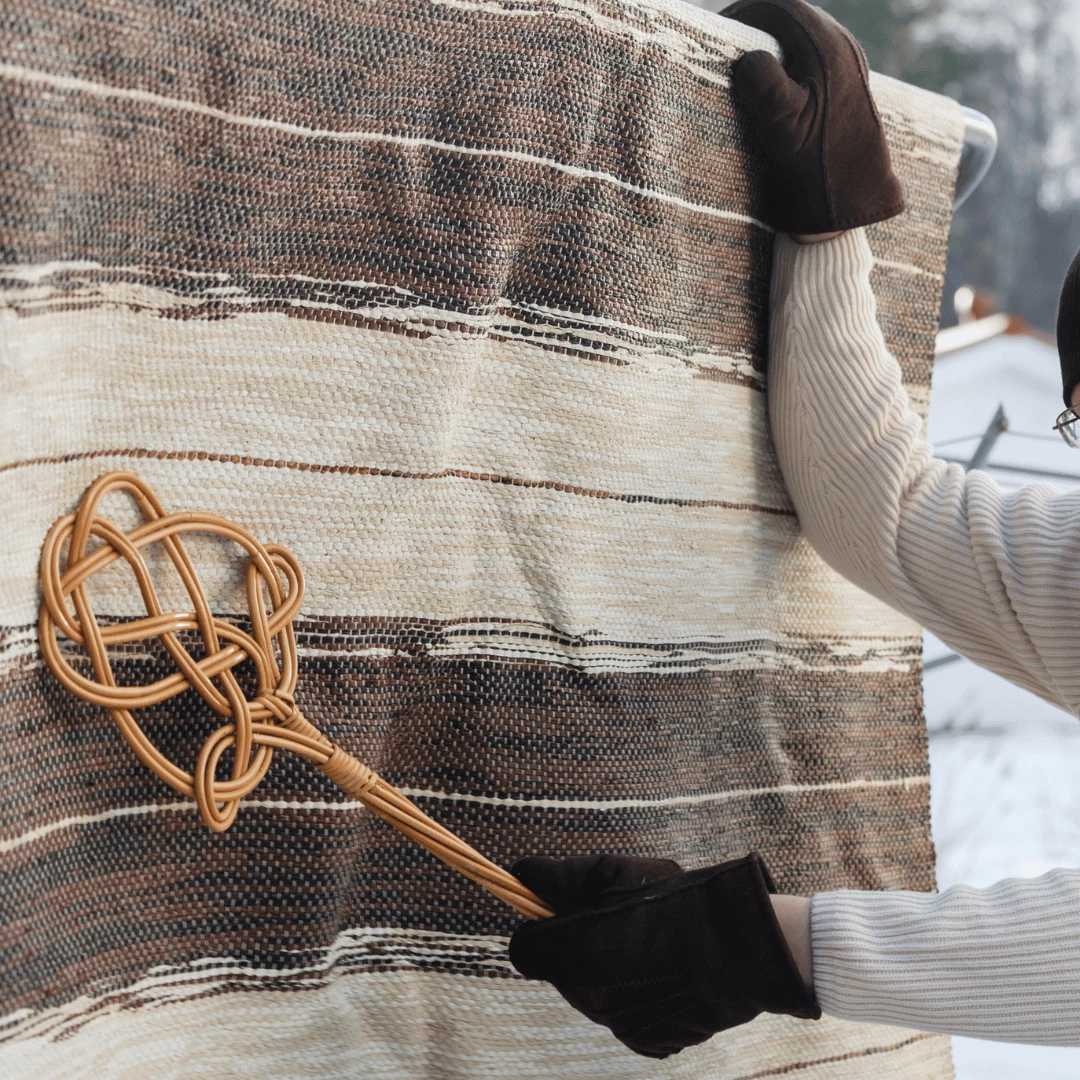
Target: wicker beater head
<point x="225" y="644"/>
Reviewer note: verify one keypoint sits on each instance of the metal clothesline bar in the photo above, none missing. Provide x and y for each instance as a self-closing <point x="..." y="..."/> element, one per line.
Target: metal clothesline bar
<point x="1010" y="433"/>
<point x="941" y="661"/>
<point x="999" y="423"/>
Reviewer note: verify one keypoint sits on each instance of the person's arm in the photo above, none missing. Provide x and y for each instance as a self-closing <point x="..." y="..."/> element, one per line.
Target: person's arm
<point x="992" y="574"/>
<point x="995" y="575"/>
<point x="999" y="963"/>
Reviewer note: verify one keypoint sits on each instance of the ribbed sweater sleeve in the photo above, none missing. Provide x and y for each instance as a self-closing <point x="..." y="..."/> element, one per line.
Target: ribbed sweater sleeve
<point x="995" y="575"/>
<point x="999" y="963"/>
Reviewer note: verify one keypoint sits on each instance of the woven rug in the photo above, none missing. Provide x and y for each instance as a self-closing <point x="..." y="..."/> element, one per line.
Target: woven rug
<point x="464" y="302"/>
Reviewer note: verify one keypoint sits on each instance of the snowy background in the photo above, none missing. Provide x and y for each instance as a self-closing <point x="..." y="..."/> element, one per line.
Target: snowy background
<point x="1006" y="803"/>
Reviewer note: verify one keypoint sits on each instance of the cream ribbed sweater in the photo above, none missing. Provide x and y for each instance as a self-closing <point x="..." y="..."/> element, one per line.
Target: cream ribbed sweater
<point x="995" y="575"/>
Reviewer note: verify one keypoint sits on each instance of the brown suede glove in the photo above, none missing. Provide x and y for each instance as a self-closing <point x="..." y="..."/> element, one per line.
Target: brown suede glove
<point x="815" y="120"/>
<point x="663" y="958"/>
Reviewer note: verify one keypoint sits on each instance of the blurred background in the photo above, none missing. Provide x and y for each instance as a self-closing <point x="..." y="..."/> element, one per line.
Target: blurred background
<point x="1018" y="61"/>
<point x="1005" y="766"/>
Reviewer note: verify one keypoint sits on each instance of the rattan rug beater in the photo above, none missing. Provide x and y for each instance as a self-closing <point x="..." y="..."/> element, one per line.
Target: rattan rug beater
<point x="464" y="304"/>
<point x="255" y="728"/>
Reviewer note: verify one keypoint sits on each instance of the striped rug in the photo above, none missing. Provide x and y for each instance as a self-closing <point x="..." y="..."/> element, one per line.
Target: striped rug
<point x="464" y="302"/>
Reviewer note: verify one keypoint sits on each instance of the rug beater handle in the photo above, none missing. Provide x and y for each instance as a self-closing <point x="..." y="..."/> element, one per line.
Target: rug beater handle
<point x="386" y="802"/>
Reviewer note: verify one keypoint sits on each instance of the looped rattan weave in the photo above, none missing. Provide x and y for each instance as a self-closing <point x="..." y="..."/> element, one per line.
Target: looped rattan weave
<point x="253" y="729"/>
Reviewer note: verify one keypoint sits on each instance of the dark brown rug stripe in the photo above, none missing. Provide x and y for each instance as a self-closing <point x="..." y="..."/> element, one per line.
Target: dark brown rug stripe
<point x="457" y="233"/>
<point x="313" y="68"/>
<point x="873" y="1051"/>
<point x="283" y="881"/>
<point x="374" y="470"/>
<point x="492" y="730"/>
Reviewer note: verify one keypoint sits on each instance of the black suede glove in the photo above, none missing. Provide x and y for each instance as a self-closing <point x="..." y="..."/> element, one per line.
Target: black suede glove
<point x="1068" y="330"/>
<point x="815" y="120"/>
<point x="662" y="957"/>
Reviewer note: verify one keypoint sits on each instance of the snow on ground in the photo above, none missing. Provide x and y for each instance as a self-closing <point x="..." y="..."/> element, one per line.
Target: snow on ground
<point x="1005" y="797"/>
<point x="1004" y="765"/>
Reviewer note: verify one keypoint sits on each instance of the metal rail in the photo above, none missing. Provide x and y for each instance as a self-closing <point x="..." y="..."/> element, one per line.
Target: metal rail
<point x="980" y="146"/>
<point x="999" y="422"/>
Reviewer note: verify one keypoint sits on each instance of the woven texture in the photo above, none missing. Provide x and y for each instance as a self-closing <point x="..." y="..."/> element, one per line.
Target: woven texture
<point x="465" y="304"/>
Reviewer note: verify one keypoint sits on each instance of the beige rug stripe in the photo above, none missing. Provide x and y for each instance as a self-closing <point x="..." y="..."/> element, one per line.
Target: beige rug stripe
<point x="327" y="394"/>
<point x="397" y="1026"/>
<point x="455" y="548"/>
<point x="533" y="643"/>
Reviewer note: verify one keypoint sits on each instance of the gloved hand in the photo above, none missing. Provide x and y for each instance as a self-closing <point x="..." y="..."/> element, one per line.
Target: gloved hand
<point x="662" y="957"/>
<point x="815" y="120"/>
